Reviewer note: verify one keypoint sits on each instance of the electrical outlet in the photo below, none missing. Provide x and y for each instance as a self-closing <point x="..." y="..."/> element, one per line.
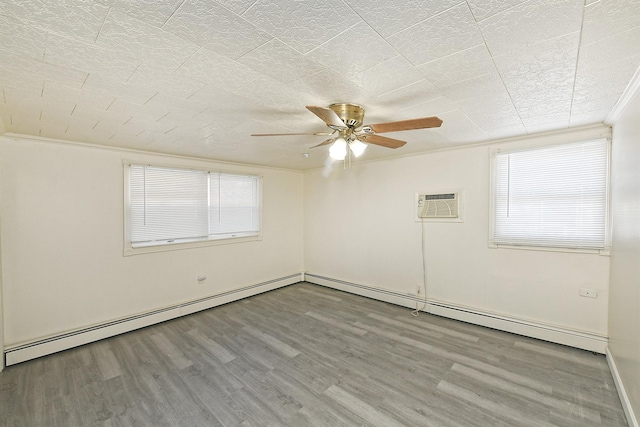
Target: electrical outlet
<point x="589" y="293"/>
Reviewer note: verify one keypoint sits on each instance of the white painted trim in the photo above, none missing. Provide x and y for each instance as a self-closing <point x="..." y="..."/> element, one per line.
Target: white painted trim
<point x="59" y="342"/>
<point x="553" y="333"/>
<point x="632" y="88"/>
<point x="624" y="397"/>
<point x="249" y="166"/>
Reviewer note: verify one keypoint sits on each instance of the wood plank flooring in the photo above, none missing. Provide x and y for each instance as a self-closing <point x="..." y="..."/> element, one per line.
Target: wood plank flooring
<point x="306" y="355"/>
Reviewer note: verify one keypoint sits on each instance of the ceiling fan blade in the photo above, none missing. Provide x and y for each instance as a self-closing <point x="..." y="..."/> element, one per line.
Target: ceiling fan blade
<point x="328" y="116"/>
<point x="423" y="123"/>
<point x="328" y="141"/>
<point x="382" y="140"/>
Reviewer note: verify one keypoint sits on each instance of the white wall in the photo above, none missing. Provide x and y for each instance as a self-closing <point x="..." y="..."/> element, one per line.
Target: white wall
<point x="62" y="241"/>
<point x="624" y="304"/>
<point x="359" y="228"/>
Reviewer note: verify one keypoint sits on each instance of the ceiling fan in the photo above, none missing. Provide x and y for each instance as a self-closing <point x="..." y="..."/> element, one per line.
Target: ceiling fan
<point x="346" y="120"/>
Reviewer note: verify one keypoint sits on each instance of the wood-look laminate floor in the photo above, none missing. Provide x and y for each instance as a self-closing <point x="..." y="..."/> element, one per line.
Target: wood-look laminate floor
<point x="306" y="355"/>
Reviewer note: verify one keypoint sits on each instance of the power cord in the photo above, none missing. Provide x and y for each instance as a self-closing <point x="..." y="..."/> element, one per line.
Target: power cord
<point x="416" y="312"/>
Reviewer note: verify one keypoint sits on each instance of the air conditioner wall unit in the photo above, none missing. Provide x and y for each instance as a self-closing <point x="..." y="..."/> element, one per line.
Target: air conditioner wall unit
<point x="439" y="205"/>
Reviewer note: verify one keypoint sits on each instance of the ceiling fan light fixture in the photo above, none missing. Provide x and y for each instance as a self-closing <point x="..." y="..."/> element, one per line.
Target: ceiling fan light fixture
<point x="357" y="147"/>
<point x="338" y="150"/>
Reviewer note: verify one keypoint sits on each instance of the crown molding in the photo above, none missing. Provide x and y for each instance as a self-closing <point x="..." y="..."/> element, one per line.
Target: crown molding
<point x="630" y="91"/>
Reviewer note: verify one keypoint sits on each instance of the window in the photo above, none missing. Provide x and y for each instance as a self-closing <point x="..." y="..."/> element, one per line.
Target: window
<point x="171" y="205"/>
<point x="553" y="197"/>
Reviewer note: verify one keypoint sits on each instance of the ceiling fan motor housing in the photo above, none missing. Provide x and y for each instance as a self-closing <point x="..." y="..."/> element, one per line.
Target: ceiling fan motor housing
<point x="351" y="114"/>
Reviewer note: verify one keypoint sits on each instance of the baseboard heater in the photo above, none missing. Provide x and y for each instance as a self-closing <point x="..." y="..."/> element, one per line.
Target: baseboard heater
<point x="552" y="333"/>
<point x="64" y="341"/>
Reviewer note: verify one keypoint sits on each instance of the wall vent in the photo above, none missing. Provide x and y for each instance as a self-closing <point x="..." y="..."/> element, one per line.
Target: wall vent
<point x="442" y="205"/>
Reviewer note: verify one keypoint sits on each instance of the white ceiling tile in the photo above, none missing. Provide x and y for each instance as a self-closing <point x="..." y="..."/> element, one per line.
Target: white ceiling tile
<point x="553" y="63"/>
<point x="21" y="94"/>
<point x="92" y="98"/>
<point x="133" y="127"/>
<point x="606" y="66"/>
<point x="364" y="48"/>
<point x="444" y="34"/>
<point x="165" y="82"/>
<point x="483" y="9"/>
<point x="210" y="67"/>
<point x="463" y="65"/>
<point x="278" y="61"/>
<point x="143" y="41"/>
<point x="80" y="19"/>
<point x="154" y="12"/>
<point x="504" y="132"/>
<point x="53" y="129"/>
<point x="302" y="25"/>
<point x="27" y="72"/>
<point x="21" y="39"/>
<point x="458" y="127"/>
<point x="547" y="127"/>
<point x="529" y="23"/>
<point x="328" y="87"/>
<point x="388" y="17"/>
<point x="152" y="113"/>
<point x="606" y="18"/>
<point x="548" y="121"/>
<point x="212" y="97"/>
<point x="433" y="107"/>
<point x="593" y="106"/>
<point x="376" y="79"/>
<point x="589" y="117"/>
<point x="264" y="92"/>
<point x="61" y="114"/>
<point x="598" y="82"/>
<point x="497" y="111"/>
<point x="89" y="58"/>
<point x="237" y="6"/>
<point x="484" y="87"/>
<point x="89" y="115"/>
<point x="77" y="133"/>
<point x="122" y="91"/>
<point x="611" y="49"/>
<point x="412" y="94"/>
<point x="211" y="25"/>
<point x="494" y="123"/>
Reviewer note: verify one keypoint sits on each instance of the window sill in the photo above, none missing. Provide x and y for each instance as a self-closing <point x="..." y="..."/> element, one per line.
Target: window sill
<point x="602" y="252"/>
<point x="165" y="247"/>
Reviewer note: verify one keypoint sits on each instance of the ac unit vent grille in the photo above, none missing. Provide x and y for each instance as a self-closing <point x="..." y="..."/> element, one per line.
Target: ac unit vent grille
<point x="438" y="205"/>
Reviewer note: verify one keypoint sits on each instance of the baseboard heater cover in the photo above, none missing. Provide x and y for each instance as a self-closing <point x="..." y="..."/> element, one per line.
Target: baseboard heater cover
<point x="556" y="334"/>
<point x="632" y="420"/>
<point x="56" y="343"/>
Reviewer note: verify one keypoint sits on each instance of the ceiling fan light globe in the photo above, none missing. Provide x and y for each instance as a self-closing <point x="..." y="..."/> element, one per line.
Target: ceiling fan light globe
<point x="357" y="147"/>
<point x="338" y="150"/>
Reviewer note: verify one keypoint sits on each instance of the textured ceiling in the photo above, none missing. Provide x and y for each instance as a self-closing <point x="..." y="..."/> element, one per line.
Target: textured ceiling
<point x="197" y="77"/>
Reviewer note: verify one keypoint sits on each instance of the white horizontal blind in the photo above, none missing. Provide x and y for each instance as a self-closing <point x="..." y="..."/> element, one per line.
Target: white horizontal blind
<point x="552" y="197"/>
<point x="170" y="205"/>
<point x="167" y="204"/>
<point x="234" y="203"/>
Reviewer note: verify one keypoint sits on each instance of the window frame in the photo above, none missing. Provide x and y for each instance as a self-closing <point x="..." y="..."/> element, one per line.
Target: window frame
<point x="493" y="152"/>
<point x="226" y="239"/>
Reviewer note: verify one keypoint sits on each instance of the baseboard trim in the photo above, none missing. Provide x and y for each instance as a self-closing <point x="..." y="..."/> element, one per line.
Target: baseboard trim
<point x="64" y="341"/>
<point x="624" y="397"/>
<point x="552" y="333"/>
